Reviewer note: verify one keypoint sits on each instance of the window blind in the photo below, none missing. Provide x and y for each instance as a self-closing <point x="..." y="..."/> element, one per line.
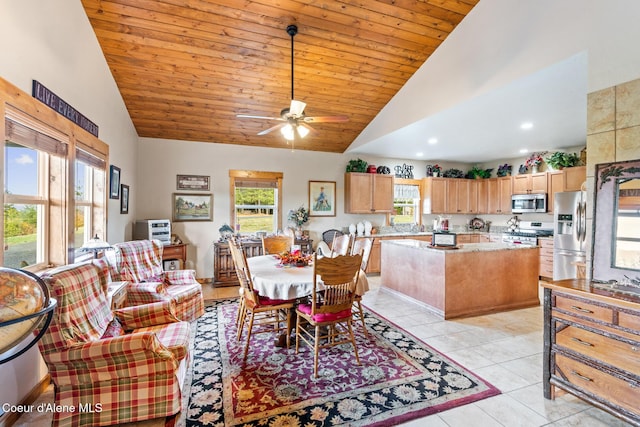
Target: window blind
<point x="27" y="136"/>
<point x="404" y="191"/>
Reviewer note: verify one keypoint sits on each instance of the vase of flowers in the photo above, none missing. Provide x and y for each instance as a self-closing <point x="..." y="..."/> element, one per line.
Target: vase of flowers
<point x="436" y="170"/>
<point x="533" y="162"/>
<point x="299" y="217"/>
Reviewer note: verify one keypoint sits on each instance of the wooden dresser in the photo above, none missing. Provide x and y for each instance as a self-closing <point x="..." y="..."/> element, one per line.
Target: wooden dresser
<point x="224" y="272"/>
<point x="592" y="346"/>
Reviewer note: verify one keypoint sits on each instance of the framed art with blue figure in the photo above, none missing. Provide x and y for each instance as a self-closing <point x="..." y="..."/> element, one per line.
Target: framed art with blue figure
<point x="322" y="198"/>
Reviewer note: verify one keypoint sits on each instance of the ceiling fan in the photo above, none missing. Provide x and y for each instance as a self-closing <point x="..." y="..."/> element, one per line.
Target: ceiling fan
<point x="294" y="121"/>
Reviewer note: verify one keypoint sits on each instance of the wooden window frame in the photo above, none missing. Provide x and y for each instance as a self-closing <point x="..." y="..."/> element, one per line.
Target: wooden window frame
<point x="246" y="175"/>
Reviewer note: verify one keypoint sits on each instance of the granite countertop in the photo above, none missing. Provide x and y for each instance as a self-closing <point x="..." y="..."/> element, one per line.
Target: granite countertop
<point x="422" y="233"/>
<point x="467" y="247"/>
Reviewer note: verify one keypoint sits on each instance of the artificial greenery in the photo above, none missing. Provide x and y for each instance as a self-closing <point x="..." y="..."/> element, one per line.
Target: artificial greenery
<point x="357" y="166"/>
<point x="477" y="172"/>
<point x="453" y="173"/>
<point x="559" y="160"/>
<point x="504" y="170"/>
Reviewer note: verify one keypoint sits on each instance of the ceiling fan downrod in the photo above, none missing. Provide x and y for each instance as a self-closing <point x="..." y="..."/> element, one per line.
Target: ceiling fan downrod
<point x="292" y="30"/>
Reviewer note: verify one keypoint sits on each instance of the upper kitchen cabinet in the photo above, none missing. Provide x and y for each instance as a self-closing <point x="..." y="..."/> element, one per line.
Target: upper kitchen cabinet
<point x="535" y="183"/>
<point x="368" y="193"/>
<point x="568" y="179"/>
<point x="462" y="196"/>
<point x="434" y="197"/>
<point x="499" y="195"/>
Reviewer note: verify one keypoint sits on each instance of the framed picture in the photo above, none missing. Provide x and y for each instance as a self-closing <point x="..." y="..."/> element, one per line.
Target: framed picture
<point x="124" y="201"/>
<point x="192" y="182"/>
<point x="114" y="182"/>
<point x="192" y="207"/>
<point x="322" y="198"/>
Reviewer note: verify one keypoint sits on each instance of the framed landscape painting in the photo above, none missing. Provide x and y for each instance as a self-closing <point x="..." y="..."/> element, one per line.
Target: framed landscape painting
<point x="322" y="198"/>
<point x="192" y="207"/>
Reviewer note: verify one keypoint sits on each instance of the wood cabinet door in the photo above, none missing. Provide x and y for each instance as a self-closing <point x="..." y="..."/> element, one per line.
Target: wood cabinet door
<point x="574" y="177"/>
<point x="493" y="196"/>
<point x="472" y="195"/>
<point x="435" y="195"/>
<point x="482" y="196"/>
<point x="556" y="185"/>
<point x="373" y="266"/>
<point x="382" y="193"/>
<point x="521" y="184"/>
<point x="505" y="191"/>
<point x="539" y="182"/>
<point x="357" y="192"/>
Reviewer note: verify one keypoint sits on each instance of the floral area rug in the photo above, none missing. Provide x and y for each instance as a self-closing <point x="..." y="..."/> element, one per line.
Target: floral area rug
<point x="400" y="378"/>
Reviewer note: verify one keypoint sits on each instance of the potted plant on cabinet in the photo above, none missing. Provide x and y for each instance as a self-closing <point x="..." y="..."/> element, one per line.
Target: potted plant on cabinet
<point x="559" y="160"/>
<point x="477" y="172"/>
<point x="504" y="170"/>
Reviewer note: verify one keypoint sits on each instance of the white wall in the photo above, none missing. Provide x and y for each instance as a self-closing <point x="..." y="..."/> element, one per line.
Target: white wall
<point x="51" y="41"/>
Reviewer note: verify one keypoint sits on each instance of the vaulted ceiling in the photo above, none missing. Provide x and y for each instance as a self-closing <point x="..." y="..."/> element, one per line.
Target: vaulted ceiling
<point x="186" y="68"/>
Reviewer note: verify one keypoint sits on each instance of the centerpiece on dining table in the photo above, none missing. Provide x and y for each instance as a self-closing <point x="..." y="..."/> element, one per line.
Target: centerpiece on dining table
<point x="294" y="258"/>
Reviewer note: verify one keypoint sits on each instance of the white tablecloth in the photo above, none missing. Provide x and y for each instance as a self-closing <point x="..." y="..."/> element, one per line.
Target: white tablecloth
<point x="277" y="282"/>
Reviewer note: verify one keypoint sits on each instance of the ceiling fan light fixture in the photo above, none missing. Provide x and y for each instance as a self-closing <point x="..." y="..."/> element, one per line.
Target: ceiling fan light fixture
<point x="297" y="108"/>
<point x="302" y="131"/>
<point x="287" y="132"/>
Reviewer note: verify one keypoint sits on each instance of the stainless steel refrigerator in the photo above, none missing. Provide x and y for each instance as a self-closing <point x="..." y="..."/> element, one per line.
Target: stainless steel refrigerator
<point x="569" y="233"/>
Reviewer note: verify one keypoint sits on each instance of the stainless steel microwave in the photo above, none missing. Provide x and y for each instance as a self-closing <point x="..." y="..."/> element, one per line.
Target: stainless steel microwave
<point x="525" y="203"/>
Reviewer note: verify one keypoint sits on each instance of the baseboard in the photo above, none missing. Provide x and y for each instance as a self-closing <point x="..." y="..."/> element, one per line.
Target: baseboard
<point x="8" y="419"/>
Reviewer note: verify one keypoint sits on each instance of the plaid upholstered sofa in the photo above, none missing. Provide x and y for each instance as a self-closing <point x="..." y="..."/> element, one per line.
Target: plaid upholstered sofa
<point x="106" y="371"/>
<point x="140" y="263"/>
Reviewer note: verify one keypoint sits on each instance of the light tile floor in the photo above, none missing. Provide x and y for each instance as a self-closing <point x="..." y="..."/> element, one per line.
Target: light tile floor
<point x="503" y="348"/>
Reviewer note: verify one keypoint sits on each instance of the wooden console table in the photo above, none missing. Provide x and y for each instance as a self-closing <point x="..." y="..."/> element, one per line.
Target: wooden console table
<point x="224" y="272"/>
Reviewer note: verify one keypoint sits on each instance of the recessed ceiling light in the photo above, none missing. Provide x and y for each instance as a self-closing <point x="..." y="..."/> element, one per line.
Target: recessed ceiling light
<point x="432" y="141"/>
<point x="524" y="150"/>
<point x="526" y="125"/>
<point x="419" y="154"/>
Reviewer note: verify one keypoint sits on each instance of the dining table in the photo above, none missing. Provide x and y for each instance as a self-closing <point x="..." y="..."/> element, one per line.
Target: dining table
<point x="276" y="281"/>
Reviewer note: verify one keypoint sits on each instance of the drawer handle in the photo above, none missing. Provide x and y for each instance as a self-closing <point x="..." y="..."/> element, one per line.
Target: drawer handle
<point x="582" y="377"/>
<point x="579" y="341"/>
<point x="583" y="310"/>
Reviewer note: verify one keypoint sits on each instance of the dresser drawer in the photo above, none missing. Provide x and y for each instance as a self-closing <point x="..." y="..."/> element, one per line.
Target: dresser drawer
<point x="584" y="309"/>
<point x="629" y="321"/>
<point x="618" y="391"/>
<point x="624" y="356"/>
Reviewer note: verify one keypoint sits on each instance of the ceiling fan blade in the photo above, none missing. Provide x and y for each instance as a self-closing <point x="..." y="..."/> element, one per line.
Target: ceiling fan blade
<point x="247" y="116"/>
<point x="327" y="119"/>
<point x="297" y="108"/>
<point x="271" y="129"/>
<point x="312" y="131"/>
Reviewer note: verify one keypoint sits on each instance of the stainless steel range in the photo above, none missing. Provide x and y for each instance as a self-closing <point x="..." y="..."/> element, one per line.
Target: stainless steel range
<point x="528" y="232"/>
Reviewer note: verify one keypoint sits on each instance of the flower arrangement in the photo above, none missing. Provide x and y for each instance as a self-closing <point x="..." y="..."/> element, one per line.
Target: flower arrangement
<point x="534" y="160"/>
<point x="436" y="169"/>
<point x="299" y="216"/>
<point x="504" y="170"/>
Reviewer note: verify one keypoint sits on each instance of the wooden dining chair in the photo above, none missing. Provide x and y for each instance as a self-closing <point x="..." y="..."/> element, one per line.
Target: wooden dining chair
<point x="362" y="246"/>
<point x="235" y="247"/>
<point x="264" y="313"/>
<point x="276" y="244"/>
<point x="341" y="245"/>
<point x="329" y="312"/>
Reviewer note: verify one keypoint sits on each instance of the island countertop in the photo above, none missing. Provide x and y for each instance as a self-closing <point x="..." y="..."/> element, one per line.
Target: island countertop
<point x="466" y="247"/>
<point x="475" y="279"/>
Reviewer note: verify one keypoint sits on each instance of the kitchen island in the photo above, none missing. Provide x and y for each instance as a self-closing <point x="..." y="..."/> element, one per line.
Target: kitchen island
<point x="471" y="279"/>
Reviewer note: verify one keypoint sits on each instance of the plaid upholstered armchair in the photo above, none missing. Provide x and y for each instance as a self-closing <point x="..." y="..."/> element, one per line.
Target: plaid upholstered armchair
<point x="140" y="263"/>
<point x="110" y="371"/>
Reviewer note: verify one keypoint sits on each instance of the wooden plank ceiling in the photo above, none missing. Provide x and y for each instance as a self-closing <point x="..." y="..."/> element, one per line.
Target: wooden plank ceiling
<point x="186" y="68"/>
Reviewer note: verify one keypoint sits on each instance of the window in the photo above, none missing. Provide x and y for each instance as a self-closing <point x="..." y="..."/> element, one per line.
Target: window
<point x="50" y="165"/>
<point x="406" y="204"/>
<point x="88" y="216"/>
<point x="32" y="163"/>
<point x="256" y="200"/>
